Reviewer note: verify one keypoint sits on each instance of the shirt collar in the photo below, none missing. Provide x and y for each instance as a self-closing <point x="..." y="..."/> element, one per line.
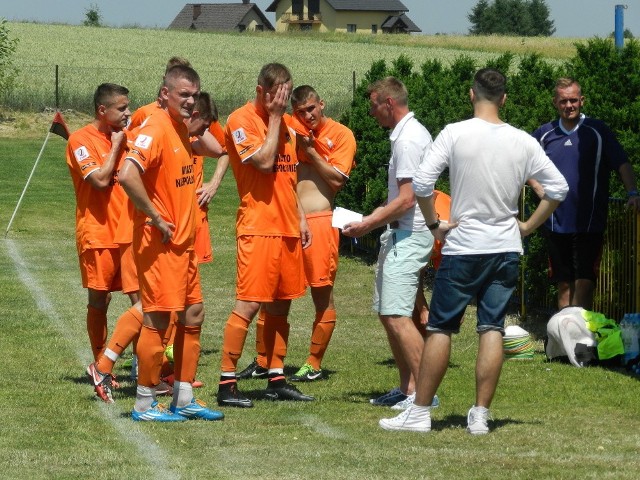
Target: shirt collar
<point x="568" y="132"/>
<point x="395" y="133"/>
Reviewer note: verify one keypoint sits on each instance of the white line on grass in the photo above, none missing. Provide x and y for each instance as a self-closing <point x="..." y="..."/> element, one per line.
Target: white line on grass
<point x="314" y="423"/>
<point x="127" y="429"/>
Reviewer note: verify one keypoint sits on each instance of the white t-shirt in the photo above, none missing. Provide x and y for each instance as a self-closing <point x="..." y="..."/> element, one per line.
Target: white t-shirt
<point x="488" y="166"/>
<point x="409" y="141"/>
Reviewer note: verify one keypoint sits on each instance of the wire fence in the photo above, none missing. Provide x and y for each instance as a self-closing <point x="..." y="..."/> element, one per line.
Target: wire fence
<point x="39" y="87"/>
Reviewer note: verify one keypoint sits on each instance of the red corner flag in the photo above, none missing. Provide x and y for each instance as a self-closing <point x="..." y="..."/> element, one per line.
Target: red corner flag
<point x="59" y="127"/>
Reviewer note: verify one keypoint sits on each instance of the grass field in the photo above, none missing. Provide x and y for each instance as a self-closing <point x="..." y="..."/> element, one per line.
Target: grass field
<point x="227" y="63"/>
<point x="549" y="420"/>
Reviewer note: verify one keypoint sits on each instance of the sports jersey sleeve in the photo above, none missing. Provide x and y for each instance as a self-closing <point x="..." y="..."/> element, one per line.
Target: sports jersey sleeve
<point x="343" y="153"/>
<point x="546" y="173"/>
<point x="82" y="156"/>
<point x="143" y="150"/>
<point x="243" y="135"/>
<point x="614" y="153"/>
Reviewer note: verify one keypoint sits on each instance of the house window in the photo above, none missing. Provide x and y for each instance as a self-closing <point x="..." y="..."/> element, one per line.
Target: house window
<point x="351" y="27"/>
<point x="374" y="28"/>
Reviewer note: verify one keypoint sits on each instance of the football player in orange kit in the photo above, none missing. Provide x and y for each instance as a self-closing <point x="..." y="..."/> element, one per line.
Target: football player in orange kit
<point x="326" y="151"/>
<point x="158" y="177"/>
<point x="93" y="155"/>
<point x="271" y="232"/>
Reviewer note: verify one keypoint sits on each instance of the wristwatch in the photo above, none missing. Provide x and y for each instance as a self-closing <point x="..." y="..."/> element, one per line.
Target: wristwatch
<point x="435" y="225"/>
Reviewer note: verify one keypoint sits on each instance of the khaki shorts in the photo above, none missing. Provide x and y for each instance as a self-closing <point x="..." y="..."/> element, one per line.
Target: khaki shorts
<point x="403" y="254"/>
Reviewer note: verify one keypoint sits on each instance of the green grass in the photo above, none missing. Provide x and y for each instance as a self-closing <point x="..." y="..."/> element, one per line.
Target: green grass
<point x="228" y="63"/>
<point x="549" y="420"/>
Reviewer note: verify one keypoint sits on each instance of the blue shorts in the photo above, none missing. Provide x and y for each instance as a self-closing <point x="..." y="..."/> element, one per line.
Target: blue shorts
<point x="489" y="278"/>
<point x="403" y="254"/>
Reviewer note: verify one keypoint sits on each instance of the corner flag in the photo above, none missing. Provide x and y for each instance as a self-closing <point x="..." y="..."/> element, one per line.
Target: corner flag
<point x="59" y="127"/>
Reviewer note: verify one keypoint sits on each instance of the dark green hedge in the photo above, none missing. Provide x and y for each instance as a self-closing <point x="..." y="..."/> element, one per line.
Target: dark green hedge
<point x="439" y="95"/>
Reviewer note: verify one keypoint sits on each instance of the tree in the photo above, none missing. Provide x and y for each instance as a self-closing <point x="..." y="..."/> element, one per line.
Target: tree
<point x="93" y="17"/>
<point x="542" y="25"/>
<point x="8" y="48"/>
<point x="478" y="17"/>
<point x="511" y="17"/>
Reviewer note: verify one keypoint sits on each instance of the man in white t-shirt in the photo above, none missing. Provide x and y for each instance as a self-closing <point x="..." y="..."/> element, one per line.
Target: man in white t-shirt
<point x="405" y="246"/>
<point x="489" y="161"/>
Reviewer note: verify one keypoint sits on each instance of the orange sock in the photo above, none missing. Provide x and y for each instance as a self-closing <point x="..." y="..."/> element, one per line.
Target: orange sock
<point x="97" y="329"/>
<point x="150" y="350"/>
<point x="186" y="351"/>
<point x="235" y="334"/>
<point x="170" y="334"/>
<point x="321" y="333"/>
<point x="169" y="339"/>
<point x="276" y="336"/>
<point x="261" y="357"/>
<point x="126" y="330"/>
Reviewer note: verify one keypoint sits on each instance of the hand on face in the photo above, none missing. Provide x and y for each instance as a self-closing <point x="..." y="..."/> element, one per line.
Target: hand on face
<point x="277" y="99"/>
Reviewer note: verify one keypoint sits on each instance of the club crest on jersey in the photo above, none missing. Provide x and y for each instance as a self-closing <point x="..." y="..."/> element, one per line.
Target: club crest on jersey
<point x="329" y="144"/>
<point x="239" y="136"/>
<point x="81" y="154"/>
<point x="143" y="141"/>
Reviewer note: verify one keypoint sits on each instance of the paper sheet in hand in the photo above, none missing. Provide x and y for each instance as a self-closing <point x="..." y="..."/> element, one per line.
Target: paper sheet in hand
<point x="342" y="216"/>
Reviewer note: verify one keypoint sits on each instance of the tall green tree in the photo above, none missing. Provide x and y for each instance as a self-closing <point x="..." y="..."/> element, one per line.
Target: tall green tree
<point x="511" y="17"/>
<point x="541" y="24"/>
<point x="478" y="17"/>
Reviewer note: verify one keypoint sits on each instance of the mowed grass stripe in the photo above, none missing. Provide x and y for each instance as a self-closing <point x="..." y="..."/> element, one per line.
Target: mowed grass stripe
<point x="150" y="451"/>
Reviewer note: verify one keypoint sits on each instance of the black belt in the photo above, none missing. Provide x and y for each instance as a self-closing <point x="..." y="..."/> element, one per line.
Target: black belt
<point x="394" y="224"/>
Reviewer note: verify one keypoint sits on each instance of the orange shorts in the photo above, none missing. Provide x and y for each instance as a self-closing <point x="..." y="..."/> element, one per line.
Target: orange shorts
<point x="321" y="257"/>
<point x="100" y="269"/>
<point x="202" y="244"/>
<point x="269" y="268"/>
<point x="128" y="271"/>
<point x="169" y="277"/>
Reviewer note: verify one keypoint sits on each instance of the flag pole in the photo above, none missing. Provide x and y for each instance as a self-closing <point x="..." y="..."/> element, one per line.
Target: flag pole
<point x="27" y="184"/>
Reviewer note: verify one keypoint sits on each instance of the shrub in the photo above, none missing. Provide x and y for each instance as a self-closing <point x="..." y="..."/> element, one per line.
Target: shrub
<point x="610" y="80"/>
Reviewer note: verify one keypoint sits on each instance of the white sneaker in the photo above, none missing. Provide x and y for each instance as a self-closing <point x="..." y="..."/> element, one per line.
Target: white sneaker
<point x="410" y="400"/>
<point x="413" y="419"/>
<point x="404" y="404"/>
<point x="477" y="419"/>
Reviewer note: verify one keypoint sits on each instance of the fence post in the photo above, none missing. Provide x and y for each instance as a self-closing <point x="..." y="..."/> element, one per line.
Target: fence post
<point x="57" y="94"/>
<point x="353" y="85"/>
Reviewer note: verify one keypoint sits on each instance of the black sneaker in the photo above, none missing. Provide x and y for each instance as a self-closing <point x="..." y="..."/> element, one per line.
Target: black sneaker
<point x="285" y="391"/>
<point x="253" y="371"/>
<point x="230" y="396"/>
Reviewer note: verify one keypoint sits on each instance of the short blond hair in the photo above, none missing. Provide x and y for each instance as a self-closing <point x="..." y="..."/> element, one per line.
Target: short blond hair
<point x="390" y="87"/>
<point x="566" y="82"/>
